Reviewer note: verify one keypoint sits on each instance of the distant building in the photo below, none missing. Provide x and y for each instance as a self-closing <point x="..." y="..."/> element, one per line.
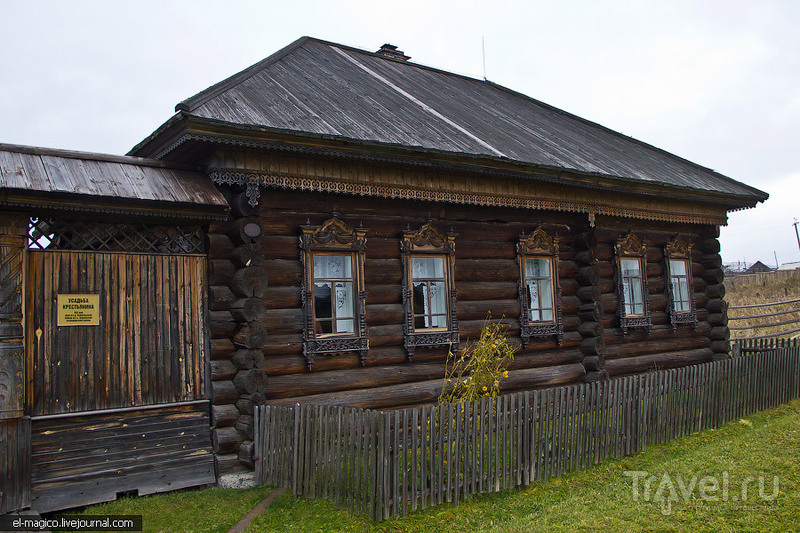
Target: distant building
<point x="757" y="267"/>
<point x="790" y="266"/>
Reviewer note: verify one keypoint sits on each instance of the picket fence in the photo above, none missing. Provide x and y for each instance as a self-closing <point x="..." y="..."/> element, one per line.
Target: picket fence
<point x="761" y="344"/>
<point x="387" y="463"/>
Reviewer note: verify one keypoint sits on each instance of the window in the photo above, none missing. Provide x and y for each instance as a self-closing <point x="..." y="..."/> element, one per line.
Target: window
<point x="333" y="293"/>
<point x="679" y="289"/>
<point x="632" y="286"/>
<point x="634" y="305"/>
<point x="539" y="289"/>
<point x="429" y="293"/>
<point x="540" y="294"/>
<point x="334" y="298"/>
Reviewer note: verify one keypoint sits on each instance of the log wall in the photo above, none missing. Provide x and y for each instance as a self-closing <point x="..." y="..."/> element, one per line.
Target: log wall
<point x="257" y="349"/>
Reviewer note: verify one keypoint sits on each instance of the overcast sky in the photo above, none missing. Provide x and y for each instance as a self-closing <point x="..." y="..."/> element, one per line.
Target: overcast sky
<point x="716" y="82"/>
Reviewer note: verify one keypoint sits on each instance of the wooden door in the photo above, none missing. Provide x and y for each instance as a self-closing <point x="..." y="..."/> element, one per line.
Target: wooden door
<point x="148" y="347"/>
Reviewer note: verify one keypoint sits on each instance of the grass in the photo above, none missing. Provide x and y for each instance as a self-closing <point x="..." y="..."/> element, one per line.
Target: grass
<point x="595" y="499"/>
<point x="205" y="510"/>
<point x="750" y="291"/>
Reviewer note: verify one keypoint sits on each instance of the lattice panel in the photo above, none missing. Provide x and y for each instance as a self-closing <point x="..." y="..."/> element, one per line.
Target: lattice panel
<point x="85" y="235"/>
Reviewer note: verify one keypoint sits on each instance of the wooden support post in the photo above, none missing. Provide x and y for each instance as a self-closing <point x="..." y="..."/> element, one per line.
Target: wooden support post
<point x="15" y="431"/>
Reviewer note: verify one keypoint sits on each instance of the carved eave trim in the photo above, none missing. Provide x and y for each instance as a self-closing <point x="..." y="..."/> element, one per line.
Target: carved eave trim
<point x="254" y="179"/>
<point x="237" y="136"/>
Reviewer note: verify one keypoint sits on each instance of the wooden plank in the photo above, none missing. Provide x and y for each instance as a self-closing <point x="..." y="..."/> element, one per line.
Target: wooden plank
<point x="64" y="455"/>
<point x="15" y="465"/>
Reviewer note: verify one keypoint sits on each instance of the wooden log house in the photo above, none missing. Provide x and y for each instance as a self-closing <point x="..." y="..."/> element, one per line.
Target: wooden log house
<point x="381" y="210"/>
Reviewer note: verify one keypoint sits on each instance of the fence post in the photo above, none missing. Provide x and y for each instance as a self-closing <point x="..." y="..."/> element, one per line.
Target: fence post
<point x="296" y="451"/>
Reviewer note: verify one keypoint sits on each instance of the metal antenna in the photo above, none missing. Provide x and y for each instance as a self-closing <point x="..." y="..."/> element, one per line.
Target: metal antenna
<point x="796" y="233"/>
<point x="483" y="52"/>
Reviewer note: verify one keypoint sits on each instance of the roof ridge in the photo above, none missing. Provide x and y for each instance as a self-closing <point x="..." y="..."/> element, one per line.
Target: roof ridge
<point x="218" y="88"/>
<point x="193" y="102"/>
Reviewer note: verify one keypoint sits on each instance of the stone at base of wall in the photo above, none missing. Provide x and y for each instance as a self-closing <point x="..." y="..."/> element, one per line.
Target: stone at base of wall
<point x="239" y="480"/>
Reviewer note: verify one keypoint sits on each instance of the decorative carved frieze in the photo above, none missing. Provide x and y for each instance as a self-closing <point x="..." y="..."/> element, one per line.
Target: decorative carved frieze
<point x="589" y="202"/>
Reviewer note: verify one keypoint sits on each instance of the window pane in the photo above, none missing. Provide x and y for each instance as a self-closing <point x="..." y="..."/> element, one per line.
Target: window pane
<point x="420" y="292"/>
<point x="537" y="268"/>
<point x="438" y="321"/>
<point x="546" y="293"/>
<point x="344" y="299"/>
<point x="430" y="304"/>
<point x="332" y="266"/>
<point x="683" y="303"/>
<point x="677" y="268"/>
<point x="438" y="305"/>
<point x="676" y="290"/>
<point x="630" y="267"/>
<point x="533" y="295"/>
<point x="344" y="326"/>
<point x="427" y="267"/>
<point x="637" y="305"/>
<point x="322" y="300"/>
<point x="547" y="315"/>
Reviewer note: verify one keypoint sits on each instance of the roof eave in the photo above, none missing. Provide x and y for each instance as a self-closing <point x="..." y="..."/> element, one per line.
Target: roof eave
<point x="153" y="209"/>
<point x="223" y="132"/>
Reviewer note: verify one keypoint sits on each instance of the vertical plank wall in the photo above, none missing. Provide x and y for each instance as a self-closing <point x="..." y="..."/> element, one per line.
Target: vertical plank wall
<point x="149" y="346"/>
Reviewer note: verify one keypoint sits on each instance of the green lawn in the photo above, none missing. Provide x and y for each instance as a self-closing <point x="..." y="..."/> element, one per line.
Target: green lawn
<point x="600" y="498"/>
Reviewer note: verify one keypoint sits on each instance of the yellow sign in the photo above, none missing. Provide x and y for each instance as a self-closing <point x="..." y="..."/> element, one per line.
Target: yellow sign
<point x="78" y="309"/>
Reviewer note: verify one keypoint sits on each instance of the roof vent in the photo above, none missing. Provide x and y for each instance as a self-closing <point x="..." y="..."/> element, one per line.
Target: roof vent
<point x="391" y="51"/>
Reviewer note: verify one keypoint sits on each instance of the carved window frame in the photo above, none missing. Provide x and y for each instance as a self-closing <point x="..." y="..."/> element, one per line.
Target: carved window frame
<point x="539" y="245"/>
<point x="679" y="250"/>
<point x="632" y="248"/>
<point x="429" y="241"/>
<point x="333" y="237"/>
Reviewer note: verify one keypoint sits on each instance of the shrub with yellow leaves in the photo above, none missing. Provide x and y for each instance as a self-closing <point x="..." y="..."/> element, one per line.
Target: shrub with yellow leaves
<point x="477" y="370"/>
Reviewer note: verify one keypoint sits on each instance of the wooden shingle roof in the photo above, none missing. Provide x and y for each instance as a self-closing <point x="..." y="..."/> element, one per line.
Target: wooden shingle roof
<point x="322" y="89"/>
<point x="35" y="177"/>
